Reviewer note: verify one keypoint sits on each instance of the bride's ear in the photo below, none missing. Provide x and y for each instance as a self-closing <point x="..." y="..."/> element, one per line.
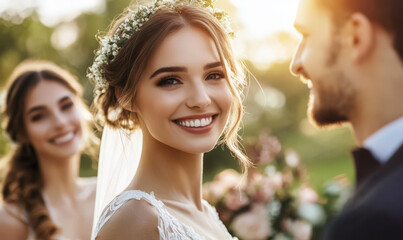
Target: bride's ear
<point x="124" y="102"/>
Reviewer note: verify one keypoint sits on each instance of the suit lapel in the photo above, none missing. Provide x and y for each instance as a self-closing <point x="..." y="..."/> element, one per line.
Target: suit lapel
<point x="393" y="164"/>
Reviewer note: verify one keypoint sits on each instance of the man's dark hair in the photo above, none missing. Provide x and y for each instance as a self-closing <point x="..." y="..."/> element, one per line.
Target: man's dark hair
<point x="386" y="13"/>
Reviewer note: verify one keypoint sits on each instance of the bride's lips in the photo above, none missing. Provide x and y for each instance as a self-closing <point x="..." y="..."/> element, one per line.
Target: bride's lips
<point x="196" y="123"/>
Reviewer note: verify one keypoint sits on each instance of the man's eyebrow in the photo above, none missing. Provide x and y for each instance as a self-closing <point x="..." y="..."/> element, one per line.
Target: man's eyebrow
<point x="168" y="69"/>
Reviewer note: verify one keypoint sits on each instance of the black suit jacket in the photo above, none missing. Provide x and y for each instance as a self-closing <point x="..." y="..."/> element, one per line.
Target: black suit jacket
<point x="376" y="210"/>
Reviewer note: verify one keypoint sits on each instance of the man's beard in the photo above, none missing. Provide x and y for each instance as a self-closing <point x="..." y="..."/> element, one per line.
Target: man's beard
<point x="335" y="95"/>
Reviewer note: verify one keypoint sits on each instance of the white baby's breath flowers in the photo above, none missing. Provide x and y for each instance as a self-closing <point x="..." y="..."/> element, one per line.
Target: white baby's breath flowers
<point x="110" y="45"/>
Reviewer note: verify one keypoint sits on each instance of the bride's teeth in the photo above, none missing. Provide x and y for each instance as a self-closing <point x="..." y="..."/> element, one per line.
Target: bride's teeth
<point x="196" y="122"/>
<point x="64" y="138"/>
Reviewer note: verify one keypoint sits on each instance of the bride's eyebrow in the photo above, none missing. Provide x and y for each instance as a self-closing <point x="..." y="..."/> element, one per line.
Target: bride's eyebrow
<point x="168" y="69"/>
<point x="183" y="69"/>
<point x="212" y="65"/>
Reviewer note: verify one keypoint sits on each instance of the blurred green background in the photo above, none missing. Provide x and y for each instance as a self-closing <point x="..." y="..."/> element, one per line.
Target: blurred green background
<point x="276" y="101"/>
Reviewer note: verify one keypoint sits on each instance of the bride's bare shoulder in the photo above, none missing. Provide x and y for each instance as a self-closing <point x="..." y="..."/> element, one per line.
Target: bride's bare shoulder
<point x="134" y="218"/>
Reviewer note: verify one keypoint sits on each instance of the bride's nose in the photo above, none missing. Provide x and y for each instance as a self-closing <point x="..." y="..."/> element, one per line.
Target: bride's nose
<point x="198" y="96"/>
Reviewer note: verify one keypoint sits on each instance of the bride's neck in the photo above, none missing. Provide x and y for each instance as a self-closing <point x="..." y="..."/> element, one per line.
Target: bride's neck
<point x="171" y="174"/>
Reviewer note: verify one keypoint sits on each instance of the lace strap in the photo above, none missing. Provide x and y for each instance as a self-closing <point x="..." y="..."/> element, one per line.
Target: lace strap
<point x="168" y="226"/>
<point x="120" y="200"/>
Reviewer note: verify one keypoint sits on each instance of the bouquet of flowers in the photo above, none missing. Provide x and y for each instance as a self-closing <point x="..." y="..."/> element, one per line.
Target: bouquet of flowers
<point x="274" y="201"/>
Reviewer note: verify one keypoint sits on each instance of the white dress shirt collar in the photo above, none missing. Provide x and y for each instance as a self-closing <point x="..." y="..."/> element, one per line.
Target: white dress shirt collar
<point x="386" y="141"/>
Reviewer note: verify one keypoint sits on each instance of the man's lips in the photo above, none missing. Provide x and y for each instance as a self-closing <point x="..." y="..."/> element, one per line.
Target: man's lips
<point x="306" y="81"/>
<point x="309" y="84"/>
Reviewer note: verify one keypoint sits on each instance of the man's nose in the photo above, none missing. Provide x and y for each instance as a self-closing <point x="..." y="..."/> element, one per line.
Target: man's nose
<point x="296" y="65"/>
<point x="296" y="62"/>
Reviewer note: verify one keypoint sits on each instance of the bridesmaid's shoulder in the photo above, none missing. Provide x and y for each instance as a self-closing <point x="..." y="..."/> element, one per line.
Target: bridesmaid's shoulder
<point x="12" y="224"/>
<point x="88" y="182"/>
<point x="88" y="185"/>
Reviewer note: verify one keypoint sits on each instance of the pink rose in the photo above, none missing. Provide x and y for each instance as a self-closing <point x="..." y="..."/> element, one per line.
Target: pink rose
<point x="236" y="200"/>
<point x="224" y="182"/>
<point x="253" y="225"/>
<point x="213" y="192"/>
<point x="253" y="183"/>
<point x="229" y="179"/>
<point x="270" y="148"/>
<point x="308" y="195"/>
<point x="265" y="192"/>
<point x="276" y="180"/>
<point x="287" y="179"/>
<point x="301" y="230"/>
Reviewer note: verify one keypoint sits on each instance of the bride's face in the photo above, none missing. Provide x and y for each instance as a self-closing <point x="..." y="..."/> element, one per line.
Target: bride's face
<point x="183" y="99"/>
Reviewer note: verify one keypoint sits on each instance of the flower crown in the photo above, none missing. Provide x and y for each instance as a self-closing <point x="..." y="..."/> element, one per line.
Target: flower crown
<point x="110" y="45"/>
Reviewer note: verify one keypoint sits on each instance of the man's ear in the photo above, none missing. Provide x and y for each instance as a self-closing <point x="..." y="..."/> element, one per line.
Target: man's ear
<point x="361" y="36"/>
<point x="125" y="103"/>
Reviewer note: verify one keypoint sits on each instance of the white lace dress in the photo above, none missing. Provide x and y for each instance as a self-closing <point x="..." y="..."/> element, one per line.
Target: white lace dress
<point x="169" y="227"/>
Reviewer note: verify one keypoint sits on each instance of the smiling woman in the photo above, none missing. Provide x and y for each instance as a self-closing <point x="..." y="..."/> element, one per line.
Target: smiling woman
<point x="42" y="192"/>
<point x="169" y="70"/>
<point x="193" y="90"/>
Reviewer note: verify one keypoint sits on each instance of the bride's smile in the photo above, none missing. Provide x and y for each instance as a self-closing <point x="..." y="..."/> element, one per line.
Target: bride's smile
<point x="183" y="98"/>
<point x="197" y="124"/>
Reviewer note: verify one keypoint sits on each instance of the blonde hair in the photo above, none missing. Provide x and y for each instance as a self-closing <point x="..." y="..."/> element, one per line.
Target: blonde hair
<point x="133" y="57"/>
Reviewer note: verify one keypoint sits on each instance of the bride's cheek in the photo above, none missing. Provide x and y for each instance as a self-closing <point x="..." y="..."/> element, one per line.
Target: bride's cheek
<point x="226" y="99"/>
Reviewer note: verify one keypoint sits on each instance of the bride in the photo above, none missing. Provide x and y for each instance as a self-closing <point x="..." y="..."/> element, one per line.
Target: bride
<point x="166" y="74"/>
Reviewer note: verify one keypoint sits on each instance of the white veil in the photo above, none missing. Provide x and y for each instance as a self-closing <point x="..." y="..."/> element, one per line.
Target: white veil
<point x="119" y="157"/>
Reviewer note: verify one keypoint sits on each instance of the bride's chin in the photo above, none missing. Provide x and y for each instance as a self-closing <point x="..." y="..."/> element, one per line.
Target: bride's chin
<point x="197" y="149"/>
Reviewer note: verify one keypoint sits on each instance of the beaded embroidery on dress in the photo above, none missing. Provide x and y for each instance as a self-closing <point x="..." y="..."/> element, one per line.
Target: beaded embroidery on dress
<point x="169" y="227"/>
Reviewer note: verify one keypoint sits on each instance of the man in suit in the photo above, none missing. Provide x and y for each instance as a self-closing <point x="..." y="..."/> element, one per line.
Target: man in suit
<point x="351" y="57"/>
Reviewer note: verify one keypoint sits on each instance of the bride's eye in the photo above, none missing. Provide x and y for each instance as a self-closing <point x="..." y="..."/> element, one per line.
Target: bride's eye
<point x="215" y="76"/>
<point x="168" y="81"/>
